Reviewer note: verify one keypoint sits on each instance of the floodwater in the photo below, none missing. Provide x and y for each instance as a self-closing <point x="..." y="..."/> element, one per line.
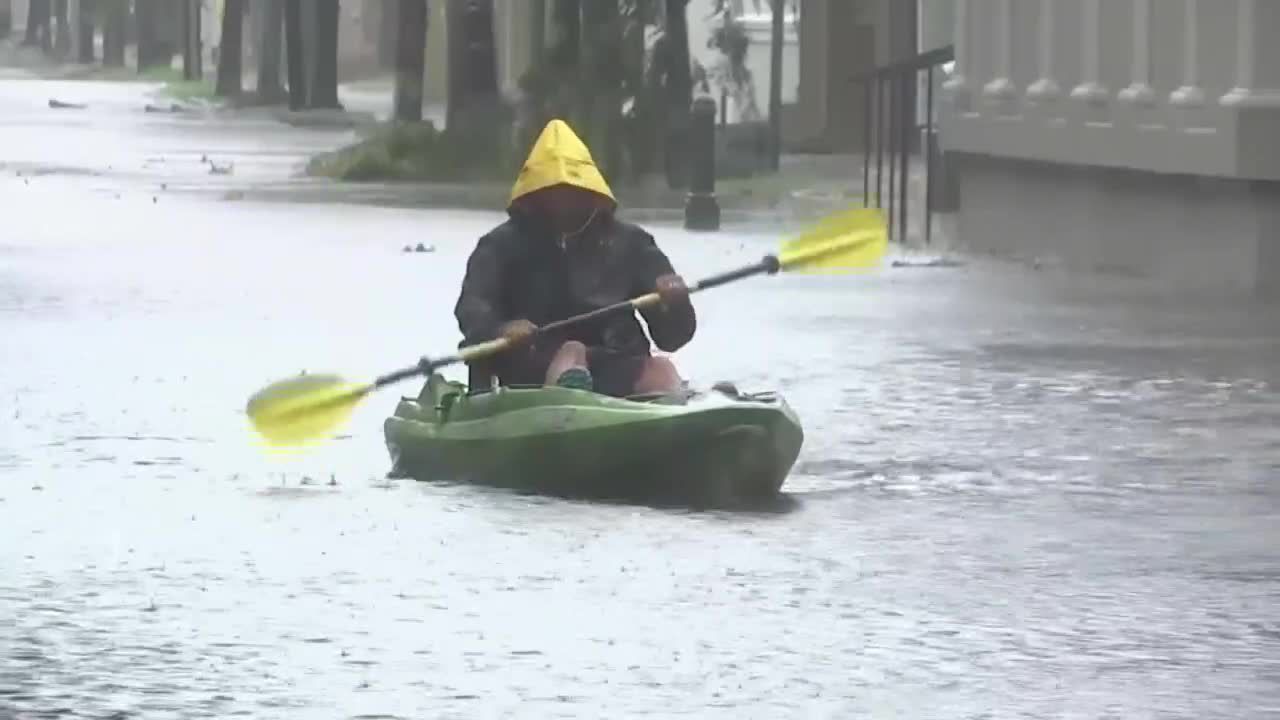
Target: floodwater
<point x="1021" y="495"/>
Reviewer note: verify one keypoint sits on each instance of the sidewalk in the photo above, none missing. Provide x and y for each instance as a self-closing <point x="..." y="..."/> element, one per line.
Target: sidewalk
<point x="265" y="150"/>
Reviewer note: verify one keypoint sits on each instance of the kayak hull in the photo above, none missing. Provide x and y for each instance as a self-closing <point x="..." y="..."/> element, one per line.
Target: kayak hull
<point x="713" y="448"/>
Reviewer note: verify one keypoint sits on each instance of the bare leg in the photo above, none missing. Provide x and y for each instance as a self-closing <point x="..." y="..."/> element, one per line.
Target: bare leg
<point x="658" y="376"/>
<point x="571" y="355"/>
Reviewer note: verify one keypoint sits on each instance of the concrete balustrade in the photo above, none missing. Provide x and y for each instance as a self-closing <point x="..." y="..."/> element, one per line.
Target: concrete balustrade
<point x="1117" y="110"/>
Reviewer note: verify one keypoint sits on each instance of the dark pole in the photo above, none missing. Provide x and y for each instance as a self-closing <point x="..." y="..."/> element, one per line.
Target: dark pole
<point x="928" y="158"/>
<point x="702" y="209"/>
<point x="892" y="110"/>
<point x="866" y="142"/>
<point x="880" y="93"/>
<point x="908" y="126"/>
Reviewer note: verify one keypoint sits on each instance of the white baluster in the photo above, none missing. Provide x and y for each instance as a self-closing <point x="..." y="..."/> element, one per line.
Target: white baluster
<point x="1045" y="88"/>
<point x="1190" y="94"/>
<point x="1139" y="91"/>
<point x="1001" y="86"/>
<point x="1251" y="26"/>
<point x="1091" y="89"/>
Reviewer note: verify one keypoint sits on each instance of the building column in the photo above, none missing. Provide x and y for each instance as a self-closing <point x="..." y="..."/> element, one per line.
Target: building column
<point x="1091" y="90"/>
<point x="1190" y="94"/>
<point x="1139" y="91"/>
<point x="1257" y="81"/>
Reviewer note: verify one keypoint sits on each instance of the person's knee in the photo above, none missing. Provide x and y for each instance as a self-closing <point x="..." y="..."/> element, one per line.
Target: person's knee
<point x="572" y="352"/>
<point x="662" y="367"/>
<point x="659" y="375"/>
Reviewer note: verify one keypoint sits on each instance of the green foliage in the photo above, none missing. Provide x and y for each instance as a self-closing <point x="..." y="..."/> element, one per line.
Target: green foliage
<point x="190" y="91"/>
<point x="418" y="151"/>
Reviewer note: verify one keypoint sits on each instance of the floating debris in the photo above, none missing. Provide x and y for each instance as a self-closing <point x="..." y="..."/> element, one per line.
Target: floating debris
<point x="929" y="263"/>
<point x="173" y="108"/>
<point x="60" y="105"/>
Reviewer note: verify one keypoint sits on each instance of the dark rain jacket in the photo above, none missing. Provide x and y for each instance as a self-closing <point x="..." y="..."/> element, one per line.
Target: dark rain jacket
<point x="520" y="270"/>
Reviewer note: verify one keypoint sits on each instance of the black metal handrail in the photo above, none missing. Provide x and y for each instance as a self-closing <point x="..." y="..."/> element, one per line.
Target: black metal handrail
<point x="888" y="125"/>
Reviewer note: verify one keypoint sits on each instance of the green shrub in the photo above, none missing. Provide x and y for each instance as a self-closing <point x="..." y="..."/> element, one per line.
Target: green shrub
<point x="418" y="151"/>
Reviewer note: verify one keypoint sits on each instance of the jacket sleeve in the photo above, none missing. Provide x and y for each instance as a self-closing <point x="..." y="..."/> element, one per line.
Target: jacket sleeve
<point x="479" y="306"/>
<point x="671" y="328"/>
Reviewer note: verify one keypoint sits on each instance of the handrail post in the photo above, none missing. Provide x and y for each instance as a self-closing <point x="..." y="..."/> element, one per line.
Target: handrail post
<point x="880" y="128"/>
<point x="928" y="157"/>
<point x="889" y="128"/>
<point x="905" y="96"/>
<point x="866" y="143"/>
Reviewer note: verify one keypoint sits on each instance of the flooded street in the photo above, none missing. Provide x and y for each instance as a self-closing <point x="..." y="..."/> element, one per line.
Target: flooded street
<point x="1020" y="495"/>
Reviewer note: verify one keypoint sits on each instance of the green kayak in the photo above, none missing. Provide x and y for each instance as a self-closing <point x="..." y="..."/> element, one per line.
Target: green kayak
<point x="718" y="447"/>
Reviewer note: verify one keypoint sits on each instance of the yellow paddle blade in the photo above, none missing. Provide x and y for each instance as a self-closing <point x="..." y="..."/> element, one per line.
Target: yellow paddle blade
<point x="855" y="239"/>
<point x="303" y="409"/>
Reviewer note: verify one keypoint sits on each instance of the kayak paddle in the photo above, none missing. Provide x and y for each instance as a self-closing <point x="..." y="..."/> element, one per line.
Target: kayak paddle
<point x="305" y="408"/>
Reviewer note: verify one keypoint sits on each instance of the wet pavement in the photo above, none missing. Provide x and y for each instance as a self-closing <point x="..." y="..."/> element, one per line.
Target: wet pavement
<point x="1021" y="494"/>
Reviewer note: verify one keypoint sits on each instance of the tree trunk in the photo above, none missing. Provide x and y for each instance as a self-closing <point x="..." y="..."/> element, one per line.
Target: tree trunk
<point x="115" y="23"/>
<point x="325" y="93"/>
<point x="62" y="38"/>
<point x="270" y="44"/>
<point x="37" y="23"/>
<point x="145" y="22"/>
<point x="231" y="50"/>
<point x="602" y="83"/>
<point x="192" y="47"/>
<point x="642" y="126"/>
<point x="388" y="34"/>
<point x="679" y="99"/>
<point x="538" y="28"/>
<point x="411" y="48"/>
<point x="87" y="53"/>
<point x="294" y="56"/>
<point x="473" y="68"/>
<point x="6" y="18"/>
<point x="775" y="83"/>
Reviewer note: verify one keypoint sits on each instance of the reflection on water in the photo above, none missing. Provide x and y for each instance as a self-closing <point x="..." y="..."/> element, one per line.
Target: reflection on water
<point x="1018" y="497"/>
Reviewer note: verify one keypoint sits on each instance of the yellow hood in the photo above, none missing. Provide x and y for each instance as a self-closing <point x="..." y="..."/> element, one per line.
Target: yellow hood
<point x="559" y="156"/>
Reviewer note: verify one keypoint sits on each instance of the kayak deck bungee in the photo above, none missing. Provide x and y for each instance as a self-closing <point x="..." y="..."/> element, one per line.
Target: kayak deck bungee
<point x="715" y="447"/>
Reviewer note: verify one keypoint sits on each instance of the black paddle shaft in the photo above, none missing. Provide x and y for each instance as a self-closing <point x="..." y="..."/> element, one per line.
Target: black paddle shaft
<point x="768" y="265"/>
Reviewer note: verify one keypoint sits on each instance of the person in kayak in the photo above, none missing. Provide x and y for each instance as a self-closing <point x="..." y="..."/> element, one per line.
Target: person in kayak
<point x="562" y="252"/>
